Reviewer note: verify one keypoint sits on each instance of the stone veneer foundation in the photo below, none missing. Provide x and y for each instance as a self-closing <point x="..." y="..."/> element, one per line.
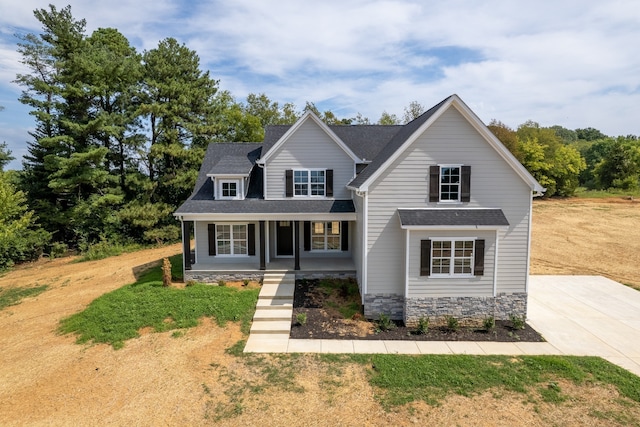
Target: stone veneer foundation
<point x="215" y="277"/>
<point x="468" y="310"/>
<point x="390" y="304"/>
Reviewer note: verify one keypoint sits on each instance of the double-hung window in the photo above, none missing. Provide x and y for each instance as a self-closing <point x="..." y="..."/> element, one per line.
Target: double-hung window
<point x="325" y="236"/>
<point x="231" y="239"/>
<point x="308" y="182"/>
<point x="450" y="184"/>
<point x="452" y="257"/>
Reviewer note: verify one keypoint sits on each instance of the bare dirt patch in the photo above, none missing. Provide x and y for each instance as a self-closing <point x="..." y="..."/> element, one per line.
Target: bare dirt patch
<point x="587" y="237"/>
<point x="189" y="379"/>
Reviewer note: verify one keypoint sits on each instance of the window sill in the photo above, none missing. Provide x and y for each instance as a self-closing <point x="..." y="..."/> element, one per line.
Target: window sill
<point x="451" y="203"/>
<point x="450" y="276"/>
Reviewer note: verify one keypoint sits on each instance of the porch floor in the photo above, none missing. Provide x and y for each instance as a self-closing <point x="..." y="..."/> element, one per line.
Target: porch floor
<point x="281" y="265"/>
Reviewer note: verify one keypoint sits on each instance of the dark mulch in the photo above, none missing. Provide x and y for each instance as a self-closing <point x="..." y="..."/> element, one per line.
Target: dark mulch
<point x="324" y="321"/>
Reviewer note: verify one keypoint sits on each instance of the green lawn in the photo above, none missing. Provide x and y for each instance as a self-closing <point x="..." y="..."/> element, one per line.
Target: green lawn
<point x="119" y="315"/>
<point x="13" y="296"/>
<point x="603" y="194"/>
<point x="432" y="378"/>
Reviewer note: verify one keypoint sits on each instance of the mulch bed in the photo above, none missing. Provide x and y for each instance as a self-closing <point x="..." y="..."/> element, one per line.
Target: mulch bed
<point x="324" y="321"/>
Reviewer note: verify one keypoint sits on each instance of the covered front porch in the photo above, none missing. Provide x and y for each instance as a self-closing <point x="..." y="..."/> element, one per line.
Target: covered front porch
<point x="317" y="247"/>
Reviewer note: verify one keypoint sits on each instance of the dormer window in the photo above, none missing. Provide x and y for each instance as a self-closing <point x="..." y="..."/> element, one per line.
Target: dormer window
<point x="229" y="189"/>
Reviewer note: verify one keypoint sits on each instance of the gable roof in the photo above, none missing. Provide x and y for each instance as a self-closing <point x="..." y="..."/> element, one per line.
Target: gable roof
<point x="366" y="141"/>
<point x="266" y="154"/>
<point x="412" y="130"/>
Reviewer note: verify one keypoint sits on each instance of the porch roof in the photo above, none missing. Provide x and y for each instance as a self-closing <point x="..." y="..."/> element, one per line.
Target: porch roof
<point x="266" y="208"/>
<point x="420" y="218"/>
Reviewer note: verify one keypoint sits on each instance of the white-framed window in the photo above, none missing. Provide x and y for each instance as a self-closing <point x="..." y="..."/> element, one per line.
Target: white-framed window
<point x="309" y="182"/>
<point x="326" y="236"/>
<point x="231" y="239"/>
<point x="229" y="189"/>
<point x="450" y="183"/>
<point x="452" y="257"/>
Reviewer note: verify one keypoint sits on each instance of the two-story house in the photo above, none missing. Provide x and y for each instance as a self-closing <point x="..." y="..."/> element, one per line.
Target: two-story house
<point x="433" y="218"/>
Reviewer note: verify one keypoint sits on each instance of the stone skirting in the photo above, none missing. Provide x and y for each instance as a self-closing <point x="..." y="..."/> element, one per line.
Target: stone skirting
<point x="468" y="310"/>
<point x="390" y="304"/>
<point x="325" y="275"/>
<point x="216" y="276"/>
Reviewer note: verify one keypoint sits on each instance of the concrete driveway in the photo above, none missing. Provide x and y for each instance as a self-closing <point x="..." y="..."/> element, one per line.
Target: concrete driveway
<point x="587" y="316"/>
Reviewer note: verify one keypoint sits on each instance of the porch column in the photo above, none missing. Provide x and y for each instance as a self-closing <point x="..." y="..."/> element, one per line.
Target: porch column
<point x="263" y="247"/>
<point x="186" y="244"/>
<point x="296" y="244"/>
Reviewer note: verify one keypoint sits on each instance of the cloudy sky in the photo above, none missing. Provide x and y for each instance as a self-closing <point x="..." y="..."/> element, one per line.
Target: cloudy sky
<point x="572" y="63"/>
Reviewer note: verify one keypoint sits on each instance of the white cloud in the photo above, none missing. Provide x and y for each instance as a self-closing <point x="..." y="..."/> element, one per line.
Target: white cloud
<point x="572" y="63"/>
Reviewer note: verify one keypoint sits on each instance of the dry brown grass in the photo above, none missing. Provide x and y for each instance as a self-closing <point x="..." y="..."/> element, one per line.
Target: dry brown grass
<point x="160" y="379"/>
<point x="587" y="237"/>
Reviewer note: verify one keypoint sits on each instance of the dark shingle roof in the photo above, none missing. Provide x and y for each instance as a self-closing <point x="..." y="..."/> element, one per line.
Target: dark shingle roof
<point x="452" y="217"/>
<point x="396" y="142"/>
<point x="243" y="152"/>
<point x="239" y="164"/>
<point x="366" y="141"/>
<point x="261" y="206"/>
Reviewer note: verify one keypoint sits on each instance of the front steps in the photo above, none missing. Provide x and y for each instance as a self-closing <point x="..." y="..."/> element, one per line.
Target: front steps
<point x="272" y="319"/>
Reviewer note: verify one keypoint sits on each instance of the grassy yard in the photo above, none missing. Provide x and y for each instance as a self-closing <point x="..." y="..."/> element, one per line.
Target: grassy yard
<point x="119" y="315"/>
<point x="584" y="193"/>
<point x="13" y="296"/>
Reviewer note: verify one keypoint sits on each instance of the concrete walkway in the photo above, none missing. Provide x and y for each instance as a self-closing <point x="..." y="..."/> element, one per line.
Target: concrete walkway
<point x="577" y="315"/>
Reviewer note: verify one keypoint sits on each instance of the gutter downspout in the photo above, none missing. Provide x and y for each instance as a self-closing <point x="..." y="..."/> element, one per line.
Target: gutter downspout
<point x="365" y="240"/>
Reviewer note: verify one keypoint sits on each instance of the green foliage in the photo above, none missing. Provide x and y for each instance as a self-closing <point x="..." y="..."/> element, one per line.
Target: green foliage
<point x="452" y="323"/>
<point x="388" y="119"/>
<point x="489" y="323"/>
<point x="119" y="315"/>
<point x="21" y="239"/>
<point x="301" y="319"/>
<point x="384" y="323"/>
<point x="423" y="326"/>
<point x="105" y="249"/>
<point x="5" y="154"/>
<point x="404" y="379"/>
<point x="517" y="322"/>
<point x="13" y="296"/>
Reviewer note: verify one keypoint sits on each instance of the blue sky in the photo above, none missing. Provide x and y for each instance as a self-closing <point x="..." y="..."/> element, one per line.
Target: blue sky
<point x="572" y="63"/>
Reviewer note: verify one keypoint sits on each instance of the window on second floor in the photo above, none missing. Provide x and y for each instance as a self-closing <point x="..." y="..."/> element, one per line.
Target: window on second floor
<point x="309" y="183"/>
<point x="450" y="183"/>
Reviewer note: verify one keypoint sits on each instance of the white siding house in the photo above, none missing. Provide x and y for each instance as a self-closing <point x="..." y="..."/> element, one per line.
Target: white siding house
<point x="436" y="222"/>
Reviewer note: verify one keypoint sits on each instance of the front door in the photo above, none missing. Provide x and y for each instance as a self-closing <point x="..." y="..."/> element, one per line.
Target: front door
<point x="284" y="239"/>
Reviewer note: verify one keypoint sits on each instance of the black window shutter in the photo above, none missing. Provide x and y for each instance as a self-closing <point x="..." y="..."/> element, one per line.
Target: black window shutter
<point x="288" y="181"/>
<point x="465" y="194"/>
<point x="307" y="235"/>
<point x="425" y="257"/>
<point x="478" y="265"/>
<point x="434" y="183"/>
<point x="329" y="183"/>
<point x="251" y="239"/>
<point x="212" y="239"/>
<point x="345" y="235"/>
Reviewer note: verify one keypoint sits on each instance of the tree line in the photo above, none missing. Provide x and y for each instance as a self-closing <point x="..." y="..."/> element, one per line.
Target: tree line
<point x="120" y="136"/>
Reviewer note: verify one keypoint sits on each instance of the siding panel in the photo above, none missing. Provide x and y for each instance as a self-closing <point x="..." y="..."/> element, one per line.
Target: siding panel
<point x="450" y="140"/>
<point x="310" y="147"/>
